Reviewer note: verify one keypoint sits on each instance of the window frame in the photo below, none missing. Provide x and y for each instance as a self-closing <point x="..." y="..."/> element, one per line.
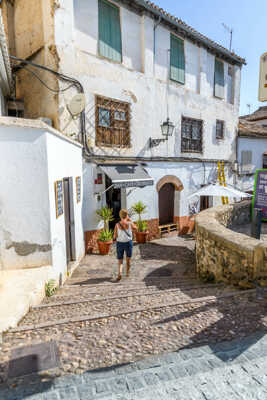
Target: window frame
<point x="220" y="97"/>
<point x="177" y="38"/>
<point x="223" y="129"/>
<point x="115" y="6"/>
<point x="201" y="122"/>
<point x="114" y="131"/>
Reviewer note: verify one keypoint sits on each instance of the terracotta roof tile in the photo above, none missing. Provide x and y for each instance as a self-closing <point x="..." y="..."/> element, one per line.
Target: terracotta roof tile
<point x="194" y="32"/>
<point x="250" y="129"/>
<point x="259" y="114"/>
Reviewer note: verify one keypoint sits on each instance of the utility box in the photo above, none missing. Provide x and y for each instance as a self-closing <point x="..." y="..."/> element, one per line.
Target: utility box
<point x="263" y="78"/>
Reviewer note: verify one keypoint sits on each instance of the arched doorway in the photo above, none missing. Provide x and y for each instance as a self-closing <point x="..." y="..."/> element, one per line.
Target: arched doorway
<point x="166" y="204"/>
<point x="168" y="188"/>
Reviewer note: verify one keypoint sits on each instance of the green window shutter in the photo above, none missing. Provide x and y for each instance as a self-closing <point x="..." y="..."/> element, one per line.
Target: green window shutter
<point x="219" y="79"/>
<point x="109" y="31"/>
<point x="177" y="72"/>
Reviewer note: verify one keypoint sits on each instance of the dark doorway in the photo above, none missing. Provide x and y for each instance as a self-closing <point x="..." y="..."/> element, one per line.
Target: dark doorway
<point x="166" y="204"/>
<point x="204" y="203"/>
<point x="113" y="200"/>
<point x="69" y="220"/>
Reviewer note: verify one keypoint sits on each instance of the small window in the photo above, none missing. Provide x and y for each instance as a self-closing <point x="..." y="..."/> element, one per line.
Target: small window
<point x="219" y="79"/>
<point x="112" y="122"/>
<point x="177" y="67"/>
<point x="109" y="31"/>
<point x="191" y="135"/>
<point x="264" y="164"/>
<point x="246" y="161"/>
<point x="219" y="129"/>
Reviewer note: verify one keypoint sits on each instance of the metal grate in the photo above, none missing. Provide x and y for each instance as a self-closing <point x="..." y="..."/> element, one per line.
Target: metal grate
<point x="112" y="122"/>
<point x="192" y="135"/>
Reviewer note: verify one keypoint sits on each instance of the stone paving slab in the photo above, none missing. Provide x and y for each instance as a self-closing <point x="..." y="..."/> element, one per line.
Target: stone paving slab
<point x="189" y="374"/>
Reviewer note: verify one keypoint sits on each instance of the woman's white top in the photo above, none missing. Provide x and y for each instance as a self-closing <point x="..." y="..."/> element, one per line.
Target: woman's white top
<point x="122" y="235"/>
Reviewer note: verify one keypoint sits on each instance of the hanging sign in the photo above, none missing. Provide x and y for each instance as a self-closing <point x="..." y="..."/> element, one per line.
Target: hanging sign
<point x="260" y="192"/>
<point x="78" y="189"/>
<point x="59" y="198"/>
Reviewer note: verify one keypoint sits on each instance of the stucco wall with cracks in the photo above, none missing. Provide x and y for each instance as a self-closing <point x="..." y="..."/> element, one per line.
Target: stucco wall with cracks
<point x="24" y="201"/>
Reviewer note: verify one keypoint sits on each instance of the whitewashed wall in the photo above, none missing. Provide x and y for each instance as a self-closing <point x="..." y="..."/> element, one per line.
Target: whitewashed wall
<point x="64" y="160"/>
<point x="24" y="200"/>
<point x="76" y="35"/>
<point x="258" y="147"/>
<point x="33" y="158"/>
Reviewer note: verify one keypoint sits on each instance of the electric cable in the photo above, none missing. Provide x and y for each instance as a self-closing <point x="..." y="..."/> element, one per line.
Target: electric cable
<point x="43" y="83"/>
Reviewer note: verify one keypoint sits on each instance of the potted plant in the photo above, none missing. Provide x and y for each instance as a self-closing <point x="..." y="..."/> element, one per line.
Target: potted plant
<point x="105" y="238"/>
<point x="140" y="208"/>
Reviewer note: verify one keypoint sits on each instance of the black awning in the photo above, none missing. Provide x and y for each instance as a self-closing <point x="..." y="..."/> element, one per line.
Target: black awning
<point x="127" y="176"/>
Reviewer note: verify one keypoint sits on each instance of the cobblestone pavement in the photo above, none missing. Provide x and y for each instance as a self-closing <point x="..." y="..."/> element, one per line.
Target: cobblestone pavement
<point x="228" y="370"/>
<point x="161" y="308"/>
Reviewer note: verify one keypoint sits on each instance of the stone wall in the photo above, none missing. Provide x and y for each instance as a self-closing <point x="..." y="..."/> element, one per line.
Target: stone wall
<point x="224" y="255"/>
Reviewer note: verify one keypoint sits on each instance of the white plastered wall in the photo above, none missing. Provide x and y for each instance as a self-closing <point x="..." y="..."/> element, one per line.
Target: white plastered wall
<point x="32" y="160"/>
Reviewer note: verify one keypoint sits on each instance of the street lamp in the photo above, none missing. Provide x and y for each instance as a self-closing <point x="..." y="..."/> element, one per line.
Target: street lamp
<point x="167" y="129"/>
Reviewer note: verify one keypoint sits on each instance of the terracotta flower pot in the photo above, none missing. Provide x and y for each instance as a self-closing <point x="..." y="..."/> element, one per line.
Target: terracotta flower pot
<point x="191" y="225"/>
<point x="141" y="237"/>
<point x="104" y="247"/>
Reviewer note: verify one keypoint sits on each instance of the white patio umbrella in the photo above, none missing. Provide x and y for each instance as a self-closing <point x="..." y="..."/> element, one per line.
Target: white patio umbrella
<point x="220" y="191"/>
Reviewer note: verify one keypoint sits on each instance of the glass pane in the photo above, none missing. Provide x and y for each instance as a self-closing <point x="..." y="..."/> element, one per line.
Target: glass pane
<point x="186" y="129"/>
<point x="103" y="117"/>
<point x="120" y="115"/>
<point x="195" y="131"/>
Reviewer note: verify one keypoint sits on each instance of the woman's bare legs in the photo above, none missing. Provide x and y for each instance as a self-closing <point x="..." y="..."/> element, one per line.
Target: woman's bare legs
<point x="120" y="262"/>
<point x="128" y="263"/>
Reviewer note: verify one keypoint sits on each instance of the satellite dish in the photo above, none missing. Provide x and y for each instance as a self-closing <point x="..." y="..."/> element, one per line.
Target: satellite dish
<point x="77" y="104"/>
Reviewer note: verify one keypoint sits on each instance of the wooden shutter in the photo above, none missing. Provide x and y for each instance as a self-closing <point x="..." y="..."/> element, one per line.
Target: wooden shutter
<point x="219" y="79"/>
<point x="109" y="31"/>
<point x="246" y="160"/>
<point x="177" y="66"/>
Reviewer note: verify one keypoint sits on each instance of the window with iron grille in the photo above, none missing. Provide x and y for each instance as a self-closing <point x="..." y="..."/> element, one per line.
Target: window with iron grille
<point x="192" y="135"/>
<point x="112" y="123"/>
<point x="219" y="129"/>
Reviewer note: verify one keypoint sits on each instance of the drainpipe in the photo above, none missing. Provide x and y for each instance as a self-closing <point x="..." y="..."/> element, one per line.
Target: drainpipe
<point x="155" y="27"/>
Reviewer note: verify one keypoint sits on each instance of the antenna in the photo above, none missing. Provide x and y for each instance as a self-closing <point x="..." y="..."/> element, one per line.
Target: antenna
<point x="249" y="108"/>
<point x="230" y="30"/>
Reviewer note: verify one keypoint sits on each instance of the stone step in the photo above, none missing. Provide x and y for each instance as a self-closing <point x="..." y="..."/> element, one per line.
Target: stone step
<point x="229" y="370"/>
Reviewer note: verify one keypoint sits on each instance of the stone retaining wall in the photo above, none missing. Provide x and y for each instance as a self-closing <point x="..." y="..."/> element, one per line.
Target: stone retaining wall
<point x="224" y="255"/>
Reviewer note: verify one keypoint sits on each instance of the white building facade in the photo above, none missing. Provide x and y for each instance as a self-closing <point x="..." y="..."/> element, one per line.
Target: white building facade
<point x="139" y="66"/>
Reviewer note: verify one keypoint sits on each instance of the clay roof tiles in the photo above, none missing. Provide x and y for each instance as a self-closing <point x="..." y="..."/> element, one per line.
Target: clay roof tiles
<point x="250" y="129"/>
<point x="259" y="114"/>
<point x="194" y="33"/>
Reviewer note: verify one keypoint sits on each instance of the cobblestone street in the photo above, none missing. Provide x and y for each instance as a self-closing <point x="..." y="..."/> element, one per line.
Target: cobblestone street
<point x="160" y="309"/>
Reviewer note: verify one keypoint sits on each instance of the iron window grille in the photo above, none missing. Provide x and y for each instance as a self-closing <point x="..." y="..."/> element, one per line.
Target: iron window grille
<point x="192" y="133"/>
<point x="112" y="122"/>
<point x="219" y="129"/>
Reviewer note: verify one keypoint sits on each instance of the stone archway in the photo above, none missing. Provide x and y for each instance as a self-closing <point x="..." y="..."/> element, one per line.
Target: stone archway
<point x="168" y="188"/>
<point x="170" y="179"/>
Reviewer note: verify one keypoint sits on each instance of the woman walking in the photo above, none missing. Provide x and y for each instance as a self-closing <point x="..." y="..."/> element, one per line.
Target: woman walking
<point x="123" y="234"/>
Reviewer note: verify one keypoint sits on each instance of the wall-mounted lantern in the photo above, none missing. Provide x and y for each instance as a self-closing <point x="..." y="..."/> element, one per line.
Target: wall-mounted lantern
<point x="167" y="129"/>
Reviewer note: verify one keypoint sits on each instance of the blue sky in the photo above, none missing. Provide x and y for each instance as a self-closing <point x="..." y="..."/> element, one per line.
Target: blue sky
<point x="249" y="22"/>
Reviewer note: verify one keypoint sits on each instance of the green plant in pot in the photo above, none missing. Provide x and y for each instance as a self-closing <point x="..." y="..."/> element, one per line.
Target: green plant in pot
<point x="140" y="209"/>
<point x="105" y="238"/>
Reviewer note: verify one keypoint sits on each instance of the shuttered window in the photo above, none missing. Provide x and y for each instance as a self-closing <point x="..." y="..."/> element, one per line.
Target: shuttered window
<point x="109" y="31"/>
<point x="177" y="67"/>
<point x="219" y="79"/>
<point x="246" y="160"/>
